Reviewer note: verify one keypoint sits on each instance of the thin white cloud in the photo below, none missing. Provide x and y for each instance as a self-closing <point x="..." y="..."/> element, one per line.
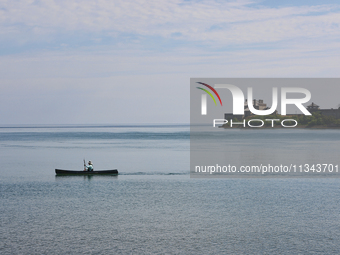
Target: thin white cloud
<point x="215" y="39"/>
<point x="205" y="21"/>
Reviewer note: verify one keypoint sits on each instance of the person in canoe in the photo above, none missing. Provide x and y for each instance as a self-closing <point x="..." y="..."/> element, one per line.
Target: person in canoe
<point x="89" y="166"/>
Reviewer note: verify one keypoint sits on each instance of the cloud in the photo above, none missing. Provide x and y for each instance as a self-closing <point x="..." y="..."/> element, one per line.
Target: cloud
<point x="128" y="86"/>
<point x="213" y="23"/>
<point x="130" y="61"/>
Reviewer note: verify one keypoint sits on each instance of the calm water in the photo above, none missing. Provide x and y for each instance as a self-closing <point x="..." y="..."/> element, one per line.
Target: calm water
<point x="274" y="147"/>
<point x="153" y="206"/>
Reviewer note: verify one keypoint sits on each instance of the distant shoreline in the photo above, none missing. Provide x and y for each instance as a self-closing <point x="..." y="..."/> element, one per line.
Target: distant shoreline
<point x="316" y="121"/>
<point x="279" y="126"/>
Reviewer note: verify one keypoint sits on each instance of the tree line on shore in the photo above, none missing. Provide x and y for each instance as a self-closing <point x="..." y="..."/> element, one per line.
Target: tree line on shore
<point x="317" y="119"/>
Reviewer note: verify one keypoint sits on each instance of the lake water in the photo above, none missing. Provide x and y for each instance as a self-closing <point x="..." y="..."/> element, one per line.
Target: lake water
<point x="291" y="152"/>
<point x="152" y="206"/>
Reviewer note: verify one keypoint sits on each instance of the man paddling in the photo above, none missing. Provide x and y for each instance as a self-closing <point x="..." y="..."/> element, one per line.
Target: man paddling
<point x="89" y="166"/>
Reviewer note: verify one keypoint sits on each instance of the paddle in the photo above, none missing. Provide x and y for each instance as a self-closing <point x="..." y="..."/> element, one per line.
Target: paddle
<point x="84" y="165"/>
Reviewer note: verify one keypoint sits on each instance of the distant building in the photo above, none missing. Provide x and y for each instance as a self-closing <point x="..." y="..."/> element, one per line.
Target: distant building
<point x="313" y="107"/>
<point x="259" y="105"/>
<point x="325" y="112"/>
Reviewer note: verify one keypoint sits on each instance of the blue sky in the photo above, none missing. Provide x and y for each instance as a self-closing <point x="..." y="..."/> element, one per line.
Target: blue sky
<point x="93" y="62"/>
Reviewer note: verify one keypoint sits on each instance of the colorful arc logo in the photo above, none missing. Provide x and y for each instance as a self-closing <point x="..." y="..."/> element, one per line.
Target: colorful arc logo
<point x="208" y="92"/>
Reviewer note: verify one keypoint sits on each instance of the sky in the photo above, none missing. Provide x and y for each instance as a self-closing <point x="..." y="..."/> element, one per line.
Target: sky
<point x="130" y="61"/>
